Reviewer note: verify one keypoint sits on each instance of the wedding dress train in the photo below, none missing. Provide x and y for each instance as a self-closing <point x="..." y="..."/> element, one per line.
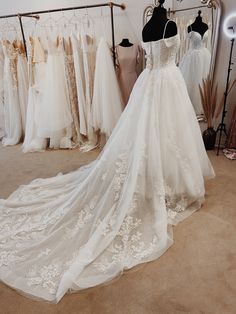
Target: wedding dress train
<point x="79" y="230"/>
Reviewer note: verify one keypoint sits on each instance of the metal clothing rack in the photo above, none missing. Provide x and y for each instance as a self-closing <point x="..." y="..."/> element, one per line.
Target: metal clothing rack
<point x="35" y="14"/>
<point x="187" y="9"/>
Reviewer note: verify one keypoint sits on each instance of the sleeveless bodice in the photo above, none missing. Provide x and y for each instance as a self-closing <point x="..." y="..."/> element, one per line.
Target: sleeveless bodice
<point x="161" y="53"/>
<point x="197" y="41"/>
<point x="54" y="46"/>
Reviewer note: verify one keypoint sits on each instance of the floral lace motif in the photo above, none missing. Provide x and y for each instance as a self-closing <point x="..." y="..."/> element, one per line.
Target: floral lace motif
<point x="120" y="176"/>
<point x="47" y="276"/>
<point x="81" y="219"/>
<point x="9" y="257"/>
<point x="128" y="246"/>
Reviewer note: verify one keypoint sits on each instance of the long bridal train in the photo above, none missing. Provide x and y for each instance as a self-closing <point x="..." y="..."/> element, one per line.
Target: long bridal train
<point x="79" y="230"/>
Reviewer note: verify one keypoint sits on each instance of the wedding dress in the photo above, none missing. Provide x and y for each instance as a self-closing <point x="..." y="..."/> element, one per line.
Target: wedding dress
<point x="12" y="114"/>
<point x="71" y="83"/>
<point x="55" y="118"/>
<point x="81" y="229"/>
<point x="107" y="102"/>
<point x="195" y="67"/>
<point x="89" y="47"/>
<point x="36" y="65"/>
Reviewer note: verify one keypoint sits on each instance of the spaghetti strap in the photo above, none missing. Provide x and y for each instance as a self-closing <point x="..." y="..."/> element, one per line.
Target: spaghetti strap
<point x="164" y="33"/>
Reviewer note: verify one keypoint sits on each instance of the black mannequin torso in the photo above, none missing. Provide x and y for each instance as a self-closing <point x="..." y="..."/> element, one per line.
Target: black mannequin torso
<point x="198" y="26"/>
<point x="154" y="29"/>
<point x="126" y="43"/>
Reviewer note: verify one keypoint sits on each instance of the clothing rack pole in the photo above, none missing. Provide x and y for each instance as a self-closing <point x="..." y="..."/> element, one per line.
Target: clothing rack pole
<point x="122" y="6"/>
<point x="23" y="35"/>
<point x="187" y="9"/>
<point x="33" y="15"/>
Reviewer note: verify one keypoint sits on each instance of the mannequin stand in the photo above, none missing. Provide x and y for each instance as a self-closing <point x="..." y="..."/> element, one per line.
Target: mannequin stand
<point x="222" y="126"/>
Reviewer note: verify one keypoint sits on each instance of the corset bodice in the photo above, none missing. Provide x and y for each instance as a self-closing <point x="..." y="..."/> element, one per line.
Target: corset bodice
<point x="197" y="41"/>
<point x="161" y="53"/>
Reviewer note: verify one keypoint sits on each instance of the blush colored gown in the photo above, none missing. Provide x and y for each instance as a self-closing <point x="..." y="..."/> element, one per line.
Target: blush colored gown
<point x="128" y="58"/>
<point x="81" y="229"/>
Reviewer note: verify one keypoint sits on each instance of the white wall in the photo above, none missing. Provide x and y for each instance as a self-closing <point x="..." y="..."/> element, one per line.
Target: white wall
<point x="129" y="23"/>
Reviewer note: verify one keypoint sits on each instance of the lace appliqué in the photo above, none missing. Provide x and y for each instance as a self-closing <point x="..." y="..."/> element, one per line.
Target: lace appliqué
<point x="9" y="257"/>
<point x="82" y="218"/>
<point x="120" y="175"/>
<point x="47" y="277"/>
<point x="128" y="246"/>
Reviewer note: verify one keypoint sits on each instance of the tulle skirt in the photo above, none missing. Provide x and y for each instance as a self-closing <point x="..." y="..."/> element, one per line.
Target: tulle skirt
<point x="79" y="230"/>
<point x="107" y="102"/>
<point x="195" y="67"/>
<point x="12" y="114"/>
<point x="55" y="112"/>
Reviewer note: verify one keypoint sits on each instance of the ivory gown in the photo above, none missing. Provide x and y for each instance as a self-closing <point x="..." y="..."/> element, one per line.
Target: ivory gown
<point x="81" y="229"/>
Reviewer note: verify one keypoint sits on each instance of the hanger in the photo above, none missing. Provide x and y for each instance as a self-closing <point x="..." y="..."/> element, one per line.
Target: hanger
<point x="63" y="18"/>
<point x="75" y="20"/>
<point x="89" y="23"/>
<point x="51" y="20"/>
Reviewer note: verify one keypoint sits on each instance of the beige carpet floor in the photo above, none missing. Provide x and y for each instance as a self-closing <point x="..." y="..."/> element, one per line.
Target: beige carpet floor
<point x="196" y="275"/>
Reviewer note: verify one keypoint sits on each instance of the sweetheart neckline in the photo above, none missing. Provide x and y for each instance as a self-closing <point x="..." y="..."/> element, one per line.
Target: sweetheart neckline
<point x="202" y="37"/>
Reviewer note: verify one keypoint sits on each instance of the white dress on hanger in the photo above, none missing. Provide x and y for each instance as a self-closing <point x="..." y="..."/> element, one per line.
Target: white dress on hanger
<point x="2" y="122"/>
<point x="89" y="47"/>
<point x="54" y="120"/>
<point x="12" y="114"/>
<point x="79" y="230"/>
<point x="36" y="65"/>
<point x="107" y="102"/>
<point x="195" y="67"/>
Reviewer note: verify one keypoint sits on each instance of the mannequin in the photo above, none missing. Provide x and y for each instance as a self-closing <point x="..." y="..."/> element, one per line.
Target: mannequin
<point x="154" y="29"/>
<point x="126" y="43"/>
<point x="198" y="25"/>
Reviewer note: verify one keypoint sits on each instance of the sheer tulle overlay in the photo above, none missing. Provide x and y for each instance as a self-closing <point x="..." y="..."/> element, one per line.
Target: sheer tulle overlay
<point x="55" y="106"/>
<point x="12" y="114"/>
<point x="107" y="103"/>
<point x="79" y="230"/>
